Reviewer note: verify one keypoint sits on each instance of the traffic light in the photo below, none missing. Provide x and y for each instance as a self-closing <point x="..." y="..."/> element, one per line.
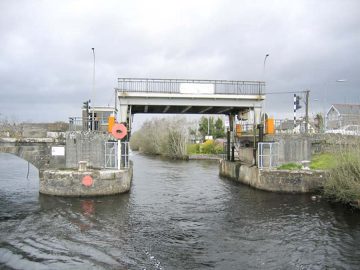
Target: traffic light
<point x="297" y="102"/>
<point x="86" y="105"/>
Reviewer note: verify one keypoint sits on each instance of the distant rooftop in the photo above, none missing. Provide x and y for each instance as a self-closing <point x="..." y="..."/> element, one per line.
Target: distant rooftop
<point x="347" y="108"/>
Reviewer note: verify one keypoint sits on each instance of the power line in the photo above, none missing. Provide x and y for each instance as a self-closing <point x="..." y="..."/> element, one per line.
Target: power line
<point x="285" y="92"/>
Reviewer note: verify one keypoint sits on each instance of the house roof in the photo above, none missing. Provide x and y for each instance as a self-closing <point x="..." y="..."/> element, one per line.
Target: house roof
<point x="289" y="124"/>
<point x="347" y="108"/>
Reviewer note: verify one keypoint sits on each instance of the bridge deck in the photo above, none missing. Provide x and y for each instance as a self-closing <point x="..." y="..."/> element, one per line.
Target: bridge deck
<point x="189" y="96"/>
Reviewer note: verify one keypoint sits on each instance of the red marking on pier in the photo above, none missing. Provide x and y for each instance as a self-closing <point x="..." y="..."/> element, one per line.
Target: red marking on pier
<point x="87" y="181"/>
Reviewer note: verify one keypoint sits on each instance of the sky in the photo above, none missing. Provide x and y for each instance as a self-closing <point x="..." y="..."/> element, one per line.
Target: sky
<point x="46" y="60"/>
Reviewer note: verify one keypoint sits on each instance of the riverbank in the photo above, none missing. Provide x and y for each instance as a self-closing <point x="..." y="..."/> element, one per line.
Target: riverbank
<point x="204" y="157"/>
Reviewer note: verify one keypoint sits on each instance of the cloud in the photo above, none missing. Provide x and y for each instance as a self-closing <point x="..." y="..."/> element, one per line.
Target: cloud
<point x="46" y="59"/>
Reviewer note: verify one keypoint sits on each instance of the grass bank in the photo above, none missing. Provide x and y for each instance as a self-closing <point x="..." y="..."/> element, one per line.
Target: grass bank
<point x="343" y="184"/>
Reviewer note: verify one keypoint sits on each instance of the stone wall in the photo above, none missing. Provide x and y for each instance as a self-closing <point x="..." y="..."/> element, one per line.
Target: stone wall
<point x="273" y="180"/>
<point x="292" y="147"/>
<point x="86" y="146"/>
<point x="42" y="130"/>
<point x="78" y="146"/>
<point x="37" y="151"/>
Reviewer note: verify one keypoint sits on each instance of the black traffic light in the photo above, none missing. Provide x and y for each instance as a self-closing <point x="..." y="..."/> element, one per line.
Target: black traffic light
<point x="86" y="105"/>
<point x="297" y="102"/>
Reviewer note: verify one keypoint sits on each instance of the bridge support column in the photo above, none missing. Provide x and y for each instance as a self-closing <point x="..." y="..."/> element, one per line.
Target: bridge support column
<point x="228" y="144"/>
<point x="230" y="150"/>
<point x="257" y="121"/>
<point x="123" y="113"/>
<point x="232" y="138"/>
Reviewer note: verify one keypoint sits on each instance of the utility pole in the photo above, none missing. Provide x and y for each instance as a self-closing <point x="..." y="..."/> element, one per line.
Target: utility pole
<point x="307" y="94"/>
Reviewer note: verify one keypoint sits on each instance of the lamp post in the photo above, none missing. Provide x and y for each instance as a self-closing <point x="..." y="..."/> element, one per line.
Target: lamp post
<point x="263" y="76"/>
<point x="93" y="92"/>
<point x="266" y="56"/>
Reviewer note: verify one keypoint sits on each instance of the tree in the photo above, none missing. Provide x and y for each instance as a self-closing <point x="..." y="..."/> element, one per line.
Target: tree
<point x="165" y="136"/>
<point x="219" y="128"/>
<point x="319" y="122"/>
<point x="208" y="126"/>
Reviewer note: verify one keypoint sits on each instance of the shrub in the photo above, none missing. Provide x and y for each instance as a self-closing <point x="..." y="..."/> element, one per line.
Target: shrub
<point x="193" y="148"/>
<point x="211" y="147"/>
<point x="343" y="183"/>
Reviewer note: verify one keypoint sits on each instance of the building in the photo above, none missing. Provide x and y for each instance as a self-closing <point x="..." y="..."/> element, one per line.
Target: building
<point x="340" y="115"/>
<point x="287" y="126"/>
<point x="101" y="117"/>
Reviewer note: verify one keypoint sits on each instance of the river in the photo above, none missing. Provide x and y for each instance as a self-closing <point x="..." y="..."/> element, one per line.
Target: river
<point x="178" y="215"/>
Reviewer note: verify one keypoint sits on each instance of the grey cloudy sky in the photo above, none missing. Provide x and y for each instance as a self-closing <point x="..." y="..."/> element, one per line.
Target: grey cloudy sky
<point x="46" y="60"/>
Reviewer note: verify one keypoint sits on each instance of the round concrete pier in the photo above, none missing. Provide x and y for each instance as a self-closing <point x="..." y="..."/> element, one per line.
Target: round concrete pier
<point x="92" y="182"/>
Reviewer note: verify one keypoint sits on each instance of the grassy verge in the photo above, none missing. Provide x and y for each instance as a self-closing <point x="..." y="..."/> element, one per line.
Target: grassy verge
<point x="323" y="161"/>
<point x="343" y="184"/>
<point x="290" y="166"/>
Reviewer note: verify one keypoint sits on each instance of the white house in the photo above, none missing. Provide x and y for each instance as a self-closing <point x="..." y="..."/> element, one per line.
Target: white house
<point x="340" y="115"/>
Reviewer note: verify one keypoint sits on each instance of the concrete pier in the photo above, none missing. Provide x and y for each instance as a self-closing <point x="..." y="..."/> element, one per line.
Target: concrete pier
<point x="85" y="183"/>
<point x="299" y="181"/>
<point x="70" y="163"/>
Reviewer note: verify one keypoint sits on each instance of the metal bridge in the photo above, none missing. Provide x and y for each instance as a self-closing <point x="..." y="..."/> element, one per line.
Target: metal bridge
<point x="181" y="96"/>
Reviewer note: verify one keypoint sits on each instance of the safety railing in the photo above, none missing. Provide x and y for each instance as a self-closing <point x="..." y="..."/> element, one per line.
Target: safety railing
<point x="268" y="155"/>
<point x="174" y="86"/>
<point x="112" y="155"/>
<point x="90" y="124"/>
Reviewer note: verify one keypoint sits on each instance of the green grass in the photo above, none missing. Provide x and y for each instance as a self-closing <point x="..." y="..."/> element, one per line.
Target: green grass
<point x="193" y="149"/>
<point x="344" y="179"/>
<point x="324" y="161"/>
<point x="290" y="166"/>
<point x="208" y="148"/>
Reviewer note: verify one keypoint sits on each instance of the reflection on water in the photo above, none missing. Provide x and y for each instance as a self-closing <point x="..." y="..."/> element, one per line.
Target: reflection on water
<point x="178" y="215"/>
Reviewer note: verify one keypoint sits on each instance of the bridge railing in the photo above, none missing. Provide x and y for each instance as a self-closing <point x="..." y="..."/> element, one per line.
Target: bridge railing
<point x="182" y="86"/>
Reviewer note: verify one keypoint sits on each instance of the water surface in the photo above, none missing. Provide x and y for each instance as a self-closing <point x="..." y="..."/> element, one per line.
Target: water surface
<point x="178" y="215"/>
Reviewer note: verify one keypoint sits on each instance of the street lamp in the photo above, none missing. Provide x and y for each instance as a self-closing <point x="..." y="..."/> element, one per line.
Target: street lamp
<point x="93" y="92"/>
<point x="263" y="76"/>
<point x="266" y="56"/>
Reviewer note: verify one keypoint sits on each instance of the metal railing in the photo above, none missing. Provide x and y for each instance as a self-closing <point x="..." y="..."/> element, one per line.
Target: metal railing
<point x="111" y="155"/>
<point x="82" y="124"/>
<point x="174" y="86"/>
<point x="268" y="155"/>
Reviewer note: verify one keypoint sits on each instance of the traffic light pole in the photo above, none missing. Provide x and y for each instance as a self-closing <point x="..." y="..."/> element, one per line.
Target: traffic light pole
<point x="307" y="94"/>
<point x="295" y="108"/>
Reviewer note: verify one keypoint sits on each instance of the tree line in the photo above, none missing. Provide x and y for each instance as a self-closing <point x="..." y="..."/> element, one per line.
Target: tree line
<point x="169" y="137"/>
